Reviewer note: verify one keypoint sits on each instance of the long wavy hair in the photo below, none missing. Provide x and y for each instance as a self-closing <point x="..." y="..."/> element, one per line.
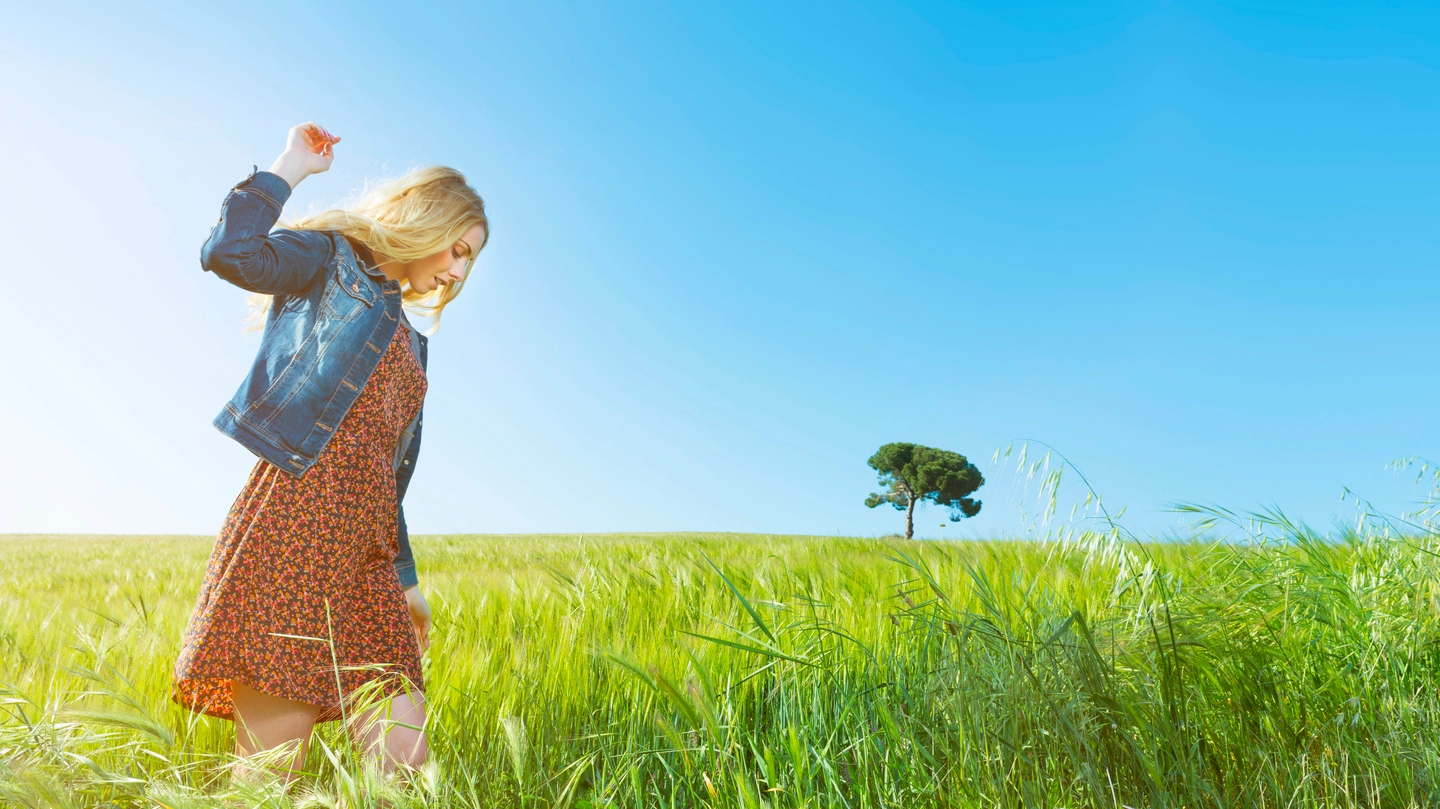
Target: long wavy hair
<point x="405" y="218"/>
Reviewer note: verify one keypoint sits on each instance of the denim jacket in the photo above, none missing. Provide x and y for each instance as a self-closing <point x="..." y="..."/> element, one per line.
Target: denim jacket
<point x="329" y="323"/>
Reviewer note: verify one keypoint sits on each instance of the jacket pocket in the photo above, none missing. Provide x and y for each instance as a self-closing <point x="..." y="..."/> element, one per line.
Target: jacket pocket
<point x="348" y="296"/>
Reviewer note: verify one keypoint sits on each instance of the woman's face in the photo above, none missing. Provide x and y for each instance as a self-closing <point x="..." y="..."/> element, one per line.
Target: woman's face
<point x="441" y="268"/>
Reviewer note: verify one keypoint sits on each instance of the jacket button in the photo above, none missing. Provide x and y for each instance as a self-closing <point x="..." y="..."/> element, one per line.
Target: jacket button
<point x="355" y="287"/>
<point x="406" y="462"/>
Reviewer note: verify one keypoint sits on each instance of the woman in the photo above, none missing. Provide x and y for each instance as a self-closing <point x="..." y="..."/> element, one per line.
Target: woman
<point x="311" y="592"/>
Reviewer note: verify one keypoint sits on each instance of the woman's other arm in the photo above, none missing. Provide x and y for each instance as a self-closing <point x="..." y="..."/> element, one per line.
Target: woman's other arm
<point x="414" y="599"/>
<point x="404" y="556"/>
<point x="242" y="250"/>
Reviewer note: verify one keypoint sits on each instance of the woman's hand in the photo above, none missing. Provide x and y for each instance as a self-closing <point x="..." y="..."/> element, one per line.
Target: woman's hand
<point x="307" y="151"/>
<point x="419" y="615"/>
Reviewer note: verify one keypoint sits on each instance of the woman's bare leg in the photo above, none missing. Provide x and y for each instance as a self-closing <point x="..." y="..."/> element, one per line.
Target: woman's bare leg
<point x="387" y="737"/>
<point x="263" y="722"/>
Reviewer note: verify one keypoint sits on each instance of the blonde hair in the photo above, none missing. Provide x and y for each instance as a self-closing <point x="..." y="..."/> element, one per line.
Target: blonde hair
<point x="405" y="218"/>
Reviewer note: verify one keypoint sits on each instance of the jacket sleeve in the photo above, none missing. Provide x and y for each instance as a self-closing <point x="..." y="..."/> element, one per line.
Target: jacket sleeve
<point x="405" y="559"/>
<point x="242" y="249"/>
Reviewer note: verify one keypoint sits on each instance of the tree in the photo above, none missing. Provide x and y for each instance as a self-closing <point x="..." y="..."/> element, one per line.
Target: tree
<point x="915" y="473"/>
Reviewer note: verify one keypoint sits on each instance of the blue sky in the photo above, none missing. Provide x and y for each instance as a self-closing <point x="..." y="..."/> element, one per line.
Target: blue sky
<point x="738" y="246"/>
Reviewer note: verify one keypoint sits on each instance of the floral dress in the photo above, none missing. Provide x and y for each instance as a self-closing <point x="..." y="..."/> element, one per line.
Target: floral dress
<point x="301" y="582"/>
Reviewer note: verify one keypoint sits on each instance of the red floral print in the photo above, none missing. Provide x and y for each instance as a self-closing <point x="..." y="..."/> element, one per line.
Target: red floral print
<point x="289" y="548"/>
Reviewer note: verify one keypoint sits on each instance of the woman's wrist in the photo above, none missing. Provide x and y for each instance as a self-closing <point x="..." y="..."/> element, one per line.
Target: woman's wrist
<point x="290" y="167"/>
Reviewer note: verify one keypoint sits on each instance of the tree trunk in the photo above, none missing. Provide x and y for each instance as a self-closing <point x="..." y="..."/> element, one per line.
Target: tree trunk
<point x="910" y="519"/>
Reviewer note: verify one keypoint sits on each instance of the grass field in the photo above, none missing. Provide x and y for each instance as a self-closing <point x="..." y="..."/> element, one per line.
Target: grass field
<point x="741" y="670"/>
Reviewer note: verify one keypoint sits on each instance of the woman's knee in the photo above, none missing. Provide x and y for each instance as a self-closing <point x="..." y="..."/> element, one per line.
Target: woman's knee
<point x="407" y="744"/>
<point x="396" y="733"/>
<point x="408" y="749"/>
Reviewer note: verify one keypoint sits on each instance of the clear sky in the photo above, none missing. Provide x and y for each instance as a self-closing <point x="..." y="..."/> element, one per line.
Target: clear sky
<point x="738" y="246"/>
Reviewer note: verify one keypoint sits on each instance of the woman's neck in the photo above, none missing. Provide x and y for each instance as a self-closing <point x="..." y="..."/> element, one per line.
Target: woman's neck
<point x="391" y="268"/>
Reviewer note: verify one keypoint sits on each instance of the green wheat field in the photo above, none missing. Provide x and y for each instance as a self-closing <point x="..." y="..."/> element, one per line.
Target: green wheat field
<point x="1268" y="665"/>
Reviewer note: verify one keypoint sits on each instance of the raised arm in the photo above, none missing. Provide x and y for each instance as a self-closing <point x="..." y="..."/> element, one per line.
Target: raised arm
<point x="242" y="250"/>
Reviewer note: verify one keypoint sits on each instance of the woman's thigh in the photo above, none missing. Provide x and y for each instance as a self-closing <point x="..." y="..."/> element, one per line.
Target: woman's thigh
<point x="397" y="737"/>
<point x="264" y="721"/>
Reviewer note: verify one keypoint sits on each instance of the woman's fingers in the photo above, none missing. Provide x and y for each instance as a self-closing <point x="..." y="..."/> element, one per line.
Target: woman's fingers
<point x="318" y="139"/>
<point x="313" y="141"/>
<point x="419" y="616"/>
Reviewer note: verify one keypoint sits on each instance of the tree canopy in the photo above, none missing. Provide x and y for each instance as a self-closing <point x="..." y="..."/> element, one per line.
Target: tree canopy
<point x="914" y="473"/>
